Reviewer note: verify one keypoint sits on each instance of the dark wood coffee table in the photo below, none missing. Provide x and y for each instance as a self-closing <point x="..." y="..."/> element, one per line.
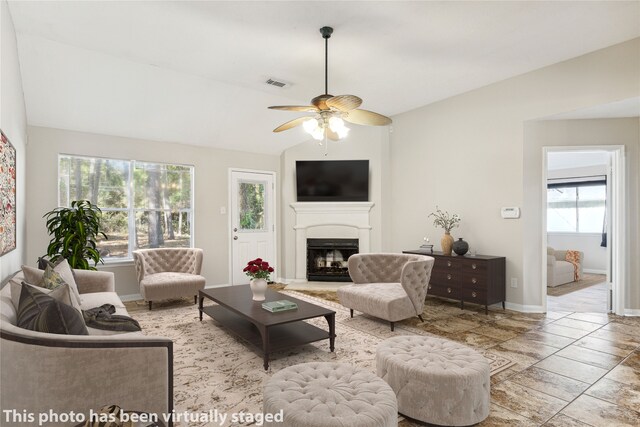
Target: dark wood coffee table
<point x="271" y="332"/>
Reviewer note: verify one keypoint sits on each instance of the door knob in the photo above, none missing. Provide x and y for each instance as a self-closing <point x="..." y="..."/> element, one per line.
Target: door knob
<point x="235" y="237"/>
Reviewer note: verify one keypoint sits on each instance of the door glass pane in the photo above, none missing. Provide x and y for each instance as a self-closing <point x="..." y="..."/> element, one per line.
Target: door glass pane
<point x="251" y="207"/>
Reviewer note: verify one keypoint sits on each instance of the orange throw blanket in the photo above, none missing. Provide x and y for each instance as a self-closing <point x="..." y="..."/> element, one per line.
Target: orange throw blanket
<point x="574" y="258"/>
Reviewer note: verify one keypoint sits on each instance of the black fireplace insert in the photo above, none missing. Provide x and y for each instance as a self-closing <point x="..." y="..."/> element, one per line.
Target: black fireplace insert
<point x="327" y="259"/>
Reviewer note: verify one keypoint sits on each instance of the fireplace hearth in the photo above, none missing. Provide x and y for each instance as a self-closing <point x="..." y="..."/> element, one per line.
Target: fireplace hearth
<point x="327" y="259"/>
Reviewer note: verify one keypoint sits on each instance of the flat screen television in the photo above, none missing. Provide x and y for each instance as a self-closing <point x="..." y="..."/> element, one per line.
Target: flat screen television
<point x="332" y="180"/>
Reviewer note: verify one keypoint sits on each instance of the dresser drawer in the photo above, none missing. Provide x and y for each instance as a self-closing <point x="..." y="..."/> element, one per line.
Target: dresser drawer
<point x="473" y="280"/>
<point x="473" y="295"/>
<point x="444" y="291"/>
<point x="445" y="278"/>
<point x="447" y="264"/>
<point x="473" y="265"/>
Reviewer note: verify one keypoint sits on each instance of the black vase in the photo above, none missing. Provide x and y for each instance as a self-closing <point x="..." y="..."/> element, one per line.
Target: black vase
<point x="460" y="247"/>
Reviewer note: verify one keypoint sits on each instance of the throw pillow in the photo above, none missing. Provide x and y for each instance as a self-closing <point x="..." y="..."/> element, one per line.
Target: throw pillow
<point x="35" y="277"/>
<point x="51" y="279"/>
<point x="62" y="293"/>
<point x="64" y="269"/>
<point x="43" y="313"/>
<point x="32" y="275"/>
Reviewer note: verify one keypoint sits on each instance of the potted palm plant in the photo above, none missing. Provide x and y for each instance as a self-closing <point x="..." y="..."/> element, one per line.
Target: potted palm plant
<point x="74" y="232"/>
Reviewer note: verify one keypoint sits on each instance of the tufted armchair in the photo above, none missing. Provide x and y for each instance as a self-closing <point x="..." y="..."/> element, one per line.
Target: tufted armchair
<point x="389" y="286"/>
<point x="168" y="273"/>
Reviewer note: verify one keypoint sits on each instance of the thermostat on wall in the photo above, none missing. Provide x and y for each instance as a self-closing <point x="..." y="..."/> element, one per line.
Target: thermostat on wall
<point x="510" y="213"/>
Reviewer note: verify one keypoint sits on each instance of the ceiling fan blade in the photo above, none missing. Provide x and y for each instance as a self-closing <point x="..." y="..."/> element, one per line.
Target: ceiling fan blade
<point x="292" y="123"/>
<point x="294" y="108"/>
<point x="344" y="102"/>
<point x="332" y="135"/>
<point x="367" y="118"/>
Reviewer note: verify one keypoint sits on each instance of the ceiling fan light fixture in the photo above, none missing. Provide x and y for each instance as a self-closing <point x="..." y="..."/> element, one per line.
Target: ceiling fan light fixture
<point x="330" y="111"/>
<point x="318" y="133"/>
<point x="343" y="132"/>
<point x="336" y="124"/>
<point x="310" y="125"/>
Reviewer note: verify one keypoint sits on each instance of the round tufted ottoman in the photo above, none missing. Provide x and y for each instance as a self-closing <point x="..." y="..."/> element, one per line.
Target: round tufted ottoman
<point x="436" y="380"/>
<point x="325" y="394"/>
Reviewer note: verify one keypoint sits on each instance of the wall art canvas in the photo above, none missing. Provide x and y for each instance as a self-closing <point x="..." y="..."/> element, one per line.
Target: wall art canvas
<point x="7" y="195"/>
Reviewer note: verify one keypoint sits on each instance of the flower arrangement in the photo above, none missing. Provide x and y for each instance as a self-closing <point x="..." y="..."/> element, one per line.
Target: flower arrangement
<point x="258" y="269"/>
<point x="445" y="220"/>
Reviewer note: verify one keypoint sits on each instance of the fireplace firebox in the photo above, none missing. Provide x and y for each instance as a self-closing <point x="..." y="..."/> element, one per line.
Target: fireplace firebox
<point x="327" y="259"/>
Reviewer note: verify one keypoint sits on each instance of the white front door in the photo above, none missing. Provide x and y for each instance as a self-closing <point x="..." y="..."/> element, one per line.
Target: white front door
<point x="252" y="221"/>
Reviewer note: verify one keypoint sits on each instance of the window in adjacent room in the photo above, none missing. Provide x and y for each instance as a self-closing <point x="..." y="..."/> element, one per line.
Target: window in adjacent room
<point x="144" y="204"/>
<point x="576" y="207"/>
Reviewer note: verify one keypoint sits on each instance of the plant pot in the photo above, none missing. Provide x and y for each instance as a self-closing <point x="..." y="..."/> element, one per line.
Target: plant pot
<point x="460" y="247"/>
<point x="447" y="243"/>
<point x="258" y="288"/>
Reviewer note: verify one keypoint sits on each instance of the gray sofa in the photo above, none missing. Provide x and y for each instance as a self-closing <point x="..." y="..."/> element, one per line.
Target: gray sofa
<point x="389" y="286"/>
<point x="42" y="371"/>
<point x="560" y="271"/>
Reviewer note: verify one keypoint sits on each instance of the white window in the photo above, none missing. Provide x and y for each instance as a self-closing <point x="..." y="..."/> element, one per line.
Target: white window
<point x="144" y="205"/>
<point x="576" y="207"/>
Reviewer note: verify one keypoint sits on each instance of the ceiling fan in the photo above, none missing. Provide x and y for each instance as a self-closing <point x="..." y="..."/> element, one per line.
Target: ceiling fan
<point x="330" y="111"/>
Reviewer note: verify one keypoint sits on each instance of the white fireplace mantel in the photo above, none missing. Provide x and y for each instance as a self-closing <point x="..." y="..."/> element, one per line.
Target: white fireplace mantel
<point x="335" y="218"/>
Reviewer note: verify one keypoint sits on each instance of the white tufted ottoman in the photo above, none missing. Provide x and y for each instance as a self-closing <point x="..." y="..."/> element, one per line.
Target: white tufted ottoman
<point x="436" y="380"/>
<point x="325" y="394"/>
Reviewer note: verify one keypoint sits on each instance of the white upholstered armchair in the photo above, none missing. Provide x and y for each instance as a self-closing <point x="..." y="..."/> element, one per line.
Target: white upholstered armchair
<point x="389" y="286"/>
<point x="559" y="270"/>
<point x="169" y="273"/>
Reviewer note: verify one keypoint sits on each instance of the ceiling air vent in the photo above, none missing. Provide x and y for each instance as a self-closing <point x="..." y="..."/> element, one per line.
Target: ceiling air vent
<point x="276" y="83"/>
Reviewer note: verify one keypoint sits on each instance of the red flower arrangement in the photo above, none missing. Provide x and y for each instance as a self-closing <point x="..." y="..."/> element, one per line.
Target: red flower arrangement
<point x="258" y="269"/>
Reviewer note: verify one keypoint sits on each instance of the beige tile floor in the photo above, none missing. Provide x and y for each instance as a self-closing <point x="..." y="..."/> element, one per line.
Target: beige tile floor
<point x="572" y="369"/>
<point x="592" y="299"/>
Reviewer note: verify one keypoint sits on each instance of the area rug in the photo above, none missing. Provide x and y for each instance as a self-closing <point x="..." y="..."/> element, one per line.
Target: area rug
<point x="587" y="281"/>
<point x="214" y="370"/>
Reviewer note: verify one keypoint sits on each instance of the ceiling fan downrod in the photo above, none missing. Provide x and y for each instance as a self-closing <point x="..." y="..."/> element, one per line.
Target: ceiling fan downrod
<point x="326" y="34"/>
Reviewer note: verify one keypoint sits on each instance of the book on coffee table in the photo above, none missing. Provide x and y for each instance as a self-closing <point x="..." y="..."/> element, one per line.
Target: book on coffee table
<point x="281" y="305"/>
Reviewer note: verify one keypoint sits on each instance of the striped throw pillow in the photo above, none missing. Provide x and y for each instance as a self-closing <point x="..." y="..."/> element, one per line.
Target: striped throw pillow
<point x="44" y="313"/>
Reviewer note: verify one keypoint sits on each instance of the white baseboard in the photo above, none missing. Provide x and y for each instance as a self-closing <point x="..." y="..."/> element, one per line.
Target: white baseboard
<point x="590" y="271"/>
<point x="524" y="308"/>
<point x="631" y="312"/>
<point x="138" y="297"/>
<point x="132" y="297"/>
<point x="216" y="286"/>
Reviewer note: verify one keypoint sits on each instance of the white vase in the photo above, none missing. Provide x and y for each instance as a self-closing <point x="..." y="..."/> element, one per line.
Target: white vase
<point x="258" y="288"/>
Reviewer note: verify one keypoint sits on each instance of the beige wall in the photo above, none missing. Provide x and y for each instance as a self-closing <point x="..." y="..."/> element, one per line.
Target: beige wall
<point x="363" y="143"/>
<point x="465" y="154"/>
<point x="550" y="133"/>
<point x="211" y="189"/>
<point x="13" y="122"/>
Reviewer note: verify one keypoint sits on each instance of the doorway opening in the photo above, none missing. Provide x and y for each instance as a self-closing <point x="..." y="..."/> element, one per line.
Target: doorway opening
<point x="582" y="211"/>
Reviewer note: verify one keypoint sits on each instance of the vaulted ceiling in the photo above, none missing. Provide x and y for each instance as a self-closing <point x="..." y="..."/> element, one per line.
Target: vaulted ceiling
<point x="195" y="72"/>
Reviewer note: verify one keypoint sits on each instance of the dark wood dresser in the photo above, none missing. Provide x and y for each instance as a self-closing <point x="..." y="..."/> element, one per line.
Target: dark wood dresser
<point x="478" y="279"/>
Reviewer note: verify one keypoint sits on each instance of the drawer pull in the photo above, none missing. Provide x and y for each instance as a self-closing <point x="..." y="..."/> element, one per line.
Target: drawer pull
<point x="448" y="263"/>
<point x="429" y="287"/>
<point x="448" y="277"/>
<point x="473" y="294"/>
<point x="473" y="280"/>
<point x="474" y="266"/>
<point x="448" y="290"/>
